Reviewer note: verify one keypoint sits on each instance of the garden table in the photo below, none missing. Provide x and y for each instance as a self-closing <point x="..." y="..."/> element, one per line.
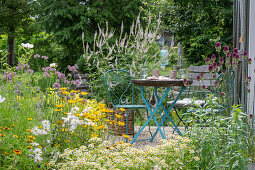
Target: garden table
<point x="156" y="83"/>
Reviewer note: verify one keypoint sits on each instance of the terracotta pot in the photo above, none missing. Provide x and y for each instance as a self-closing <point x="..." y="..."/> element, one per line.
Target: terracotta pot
<point x="155" y="73"/>
<point x="172" y="74"/>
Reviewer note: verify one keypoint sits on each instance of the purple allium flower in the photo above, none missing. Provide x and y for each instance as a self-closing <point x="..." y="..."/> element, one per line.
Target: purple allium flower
<point x="214" y="64"/>
<point x="221" y="59"/>
<point x="224" y="71"/>
<point x="202" y="75"/>
<point x="234" y="55"/>
<point x="218" y="46"/>
<point x="203" y="87"/>
<point x="213" y="57"/>
<point x="235" y="50"/>
<point x="222" y="94"/>
<point x="225" y="49"/>
<point x="249" y="79"/>
<point x="249" y="60"/>
<point x="198" y="78"/>
<point x="45" y="57"/>
<point x="214" y="76"/>
<point x="184" y="80"/>
<point x="237" y="57"/>
<point x="245" y="55"/>
<point x="251" y="115"/>
<point x="37" y="56"/>
<point x="228" y="55"/>
<point x="211" y="68"/>
<point x="245" y="77"/>
<point x="207" y="60"/>
<point x="56" y="85"/>
<point x="216" y="83"/>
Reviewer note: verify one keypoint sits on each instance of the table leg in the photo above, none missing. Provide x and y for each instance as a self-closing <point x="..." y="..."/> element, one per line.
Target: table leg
<point x="167" y="114"/>
<point x="152" y="114"/>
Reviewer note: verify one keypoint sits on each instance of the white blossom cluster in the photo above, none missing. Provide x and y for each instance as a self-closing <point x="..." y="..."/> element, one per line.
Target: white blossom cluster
<point x="45" y="128"/>
<point x="73" y="121"/>
<point x="174" y="153"/>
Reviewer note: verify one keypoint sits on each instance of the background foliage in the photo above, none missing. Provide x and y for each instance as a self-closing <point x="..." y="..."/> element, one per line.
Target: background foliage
<point x="197" y="25"/>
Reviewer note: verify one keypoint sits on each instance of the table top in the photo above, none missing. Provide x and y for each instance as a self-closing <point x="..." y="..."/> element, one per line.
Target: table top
<point x="159" y="82"/>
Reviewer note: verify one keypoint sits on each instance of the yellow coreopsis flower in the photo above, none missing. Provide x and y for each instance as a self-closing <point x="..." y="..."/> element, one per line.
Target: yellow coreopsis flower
<point x="60" y="105"/>
<point x="84" y="93"/>
<point x="15" y="136"/>
<point x="57" y="110"/>
<point x="94" y="135"/>
<point x="125" y="136"/>
<point x="121" y="123"/>
<point x="71" y="101"/>
<point x="118" y="116"/>
<point x="31" y="137"/>
<point x="29" y="119"/>
<point x="64" y="92"/>
<point x="122" y="109"/>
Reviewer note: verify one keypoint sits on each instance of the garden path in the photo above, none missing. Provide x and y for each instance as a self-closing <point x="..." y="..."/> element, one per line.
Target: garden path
<point x="145" y="135"/>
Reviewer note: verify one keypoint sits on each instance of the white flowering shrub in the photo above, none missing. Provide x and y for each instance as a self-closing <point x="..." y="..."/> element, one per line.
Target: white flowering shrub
<point x="175" y="153"/>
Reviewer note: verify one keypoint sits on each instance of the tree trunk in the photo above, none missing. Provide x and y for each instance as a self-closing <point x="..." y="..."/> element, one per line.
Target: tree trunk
<point x="11" y="45"/>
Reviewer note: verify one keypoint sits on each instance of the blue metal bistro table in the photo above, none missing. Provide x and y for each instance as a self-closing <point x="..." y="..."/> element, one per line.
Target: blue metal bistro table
<point x="166" y="83"/>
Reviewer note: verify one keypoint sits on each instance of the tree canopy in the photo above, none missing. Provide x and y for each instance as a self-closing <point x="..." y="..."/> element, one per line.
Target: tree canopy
<point x="195" y="24"/>
<point x="67" y="19"/>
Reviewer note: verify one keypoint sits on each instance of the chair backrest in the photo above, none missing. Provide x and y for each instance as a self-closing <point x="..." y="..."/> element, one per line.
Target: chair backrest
<point x="194" y="71"/>
<point x="119" y="86"/>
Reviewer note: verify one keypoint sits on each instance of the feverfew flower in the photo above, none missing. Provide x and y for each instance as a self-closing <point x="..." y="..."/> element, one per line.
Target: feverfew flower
<point x="2" y="99"/>
<point x="36" y="131"/>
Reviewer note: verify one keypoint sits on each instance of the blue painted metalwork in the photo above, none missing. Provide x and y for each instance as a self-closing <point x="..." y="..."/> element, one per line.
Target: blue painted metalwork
<point x="166" y="115"/>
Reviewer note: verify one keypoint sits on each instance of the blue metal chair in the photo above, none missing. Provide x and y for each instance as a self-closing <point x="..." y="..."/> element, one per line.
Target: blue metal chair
<point x="121" y="92"/>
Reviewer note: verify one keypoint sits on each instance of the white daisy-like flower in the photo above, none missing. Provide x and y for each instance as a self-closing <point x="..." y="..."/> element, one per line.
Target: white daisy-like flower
<point x="38" y="159"/>
<point x="27" y="45"/>
<point x="36" y="131"/>
<point x="46" y="123"/>
<point x="53" y="65"/>
<point x="2" y="99"/>
<point x="75" y="109"/>
<point x="38" y="151"/>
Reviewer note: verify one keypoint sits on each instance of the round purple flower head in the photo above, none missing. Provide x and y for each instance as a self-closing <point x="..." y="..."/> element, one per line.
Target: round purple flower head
<point x="249" y="60"/>
<point x="56" y="85"/>
<point x="207" y="60"/>
<point x="221" y="59"/>
<point x="235" y="50"/>
<point x="225" y="49"/>
<point x="251" y="116"/>
<point x="203" y="87"/>
<point x="237" y="57"/>
<point x="213" y="57"/>
<point x="228" y="55"/>
<point x="198" y="78"/>
<point x="245" y="55"/>
<point x="210" y="68"/>
<point x="214" y="64"/>
<point x="218" y="46"/>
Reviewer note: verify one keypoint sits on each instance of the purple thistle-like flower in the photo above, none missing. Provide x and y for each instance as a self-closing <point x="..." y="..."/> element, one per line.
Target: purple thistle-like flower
<point x="235" y="50"/>
<point x="213" y="57"/>
<point x="234" y="55"/>
<point x="251" y="115"/>
<point x="218" y="46"/>
<point x="222" y="94"/>
<point x="245" y="55"/>
<point x="203" y="87"/>
<point x="37" y="56"/>
<point x="210" y="68"/>
<point x="207" y="60"/>
<point x="56" y="85"/>
<point x="198" y="78"/>
<point x="214" y="76"/>
<point x="225" y="49"/>
<point x="249" y="60"/>
<point x="184" y="80"/>
<point x="202" y="75"/>
<point x="216" y="83"/>
<point x="214" y="64"/>
<point x="221" y="59"/>
<point x="237" y="57"/>
<point x="249" y="79"/>
<point x="245" y="77"/>
<point x="224" y="71"/>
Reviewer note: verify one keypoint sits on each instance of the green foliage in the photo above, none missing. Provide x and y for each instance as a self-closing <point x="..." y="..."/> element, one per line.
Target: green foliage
<point x="197" y="25"/>
<point x="222" y="141"/>
<point x="67" y="19"/>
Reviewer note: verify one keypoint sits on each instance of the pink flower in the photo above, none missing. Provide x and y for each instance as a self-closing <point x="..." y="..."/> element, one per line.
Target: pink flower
<point x="249" y="60"/>
<point x="225" y="49"/>
<point x="235" y="50"/>
<point x="245" y="55"/>
<point x="218" y="46"/>
<point x="213" y="57"/>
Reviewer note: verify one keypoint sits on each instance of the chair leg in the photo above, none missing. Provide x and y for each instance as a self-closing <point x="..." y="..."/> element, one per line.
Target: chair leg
<point x="180" y="120"/>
